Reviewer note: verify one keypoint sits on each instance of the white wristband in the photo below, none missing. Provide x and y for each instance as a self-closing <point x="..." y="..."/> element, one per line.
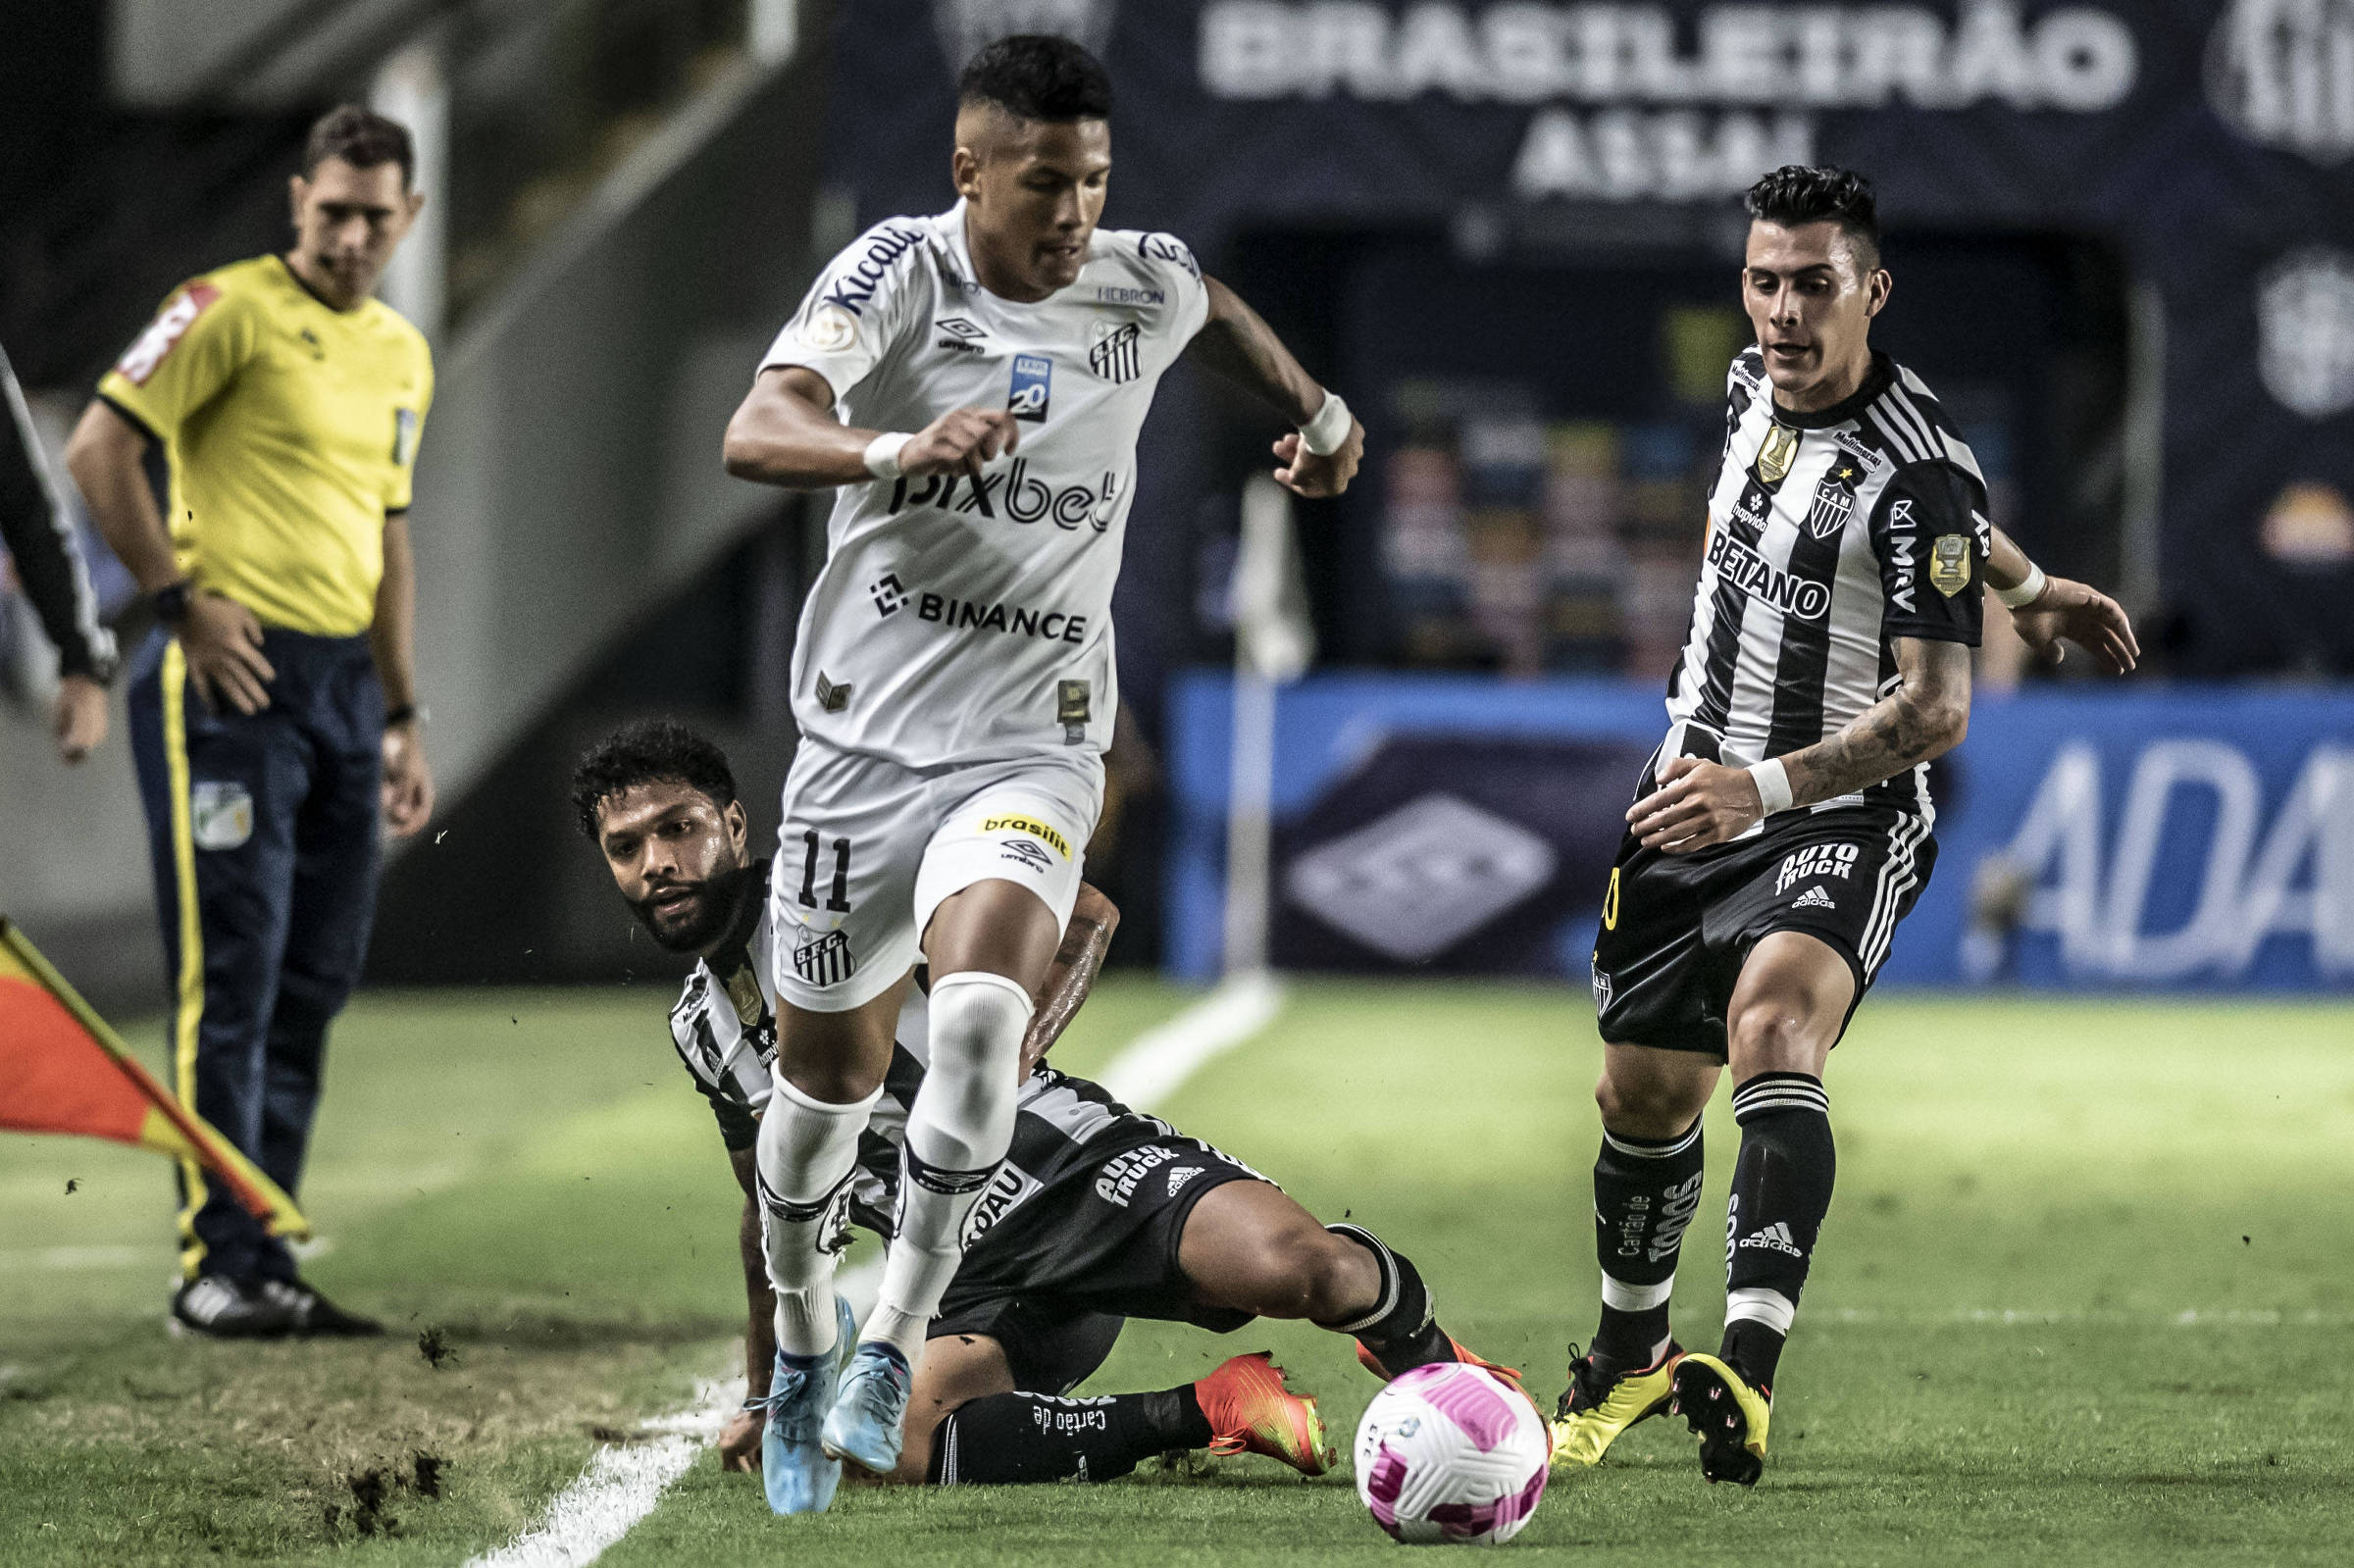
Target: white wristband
<point x="1774" y="784"/>
<point x="883" y="454"/>
<point x="1323" y="434"/>
<point x="2028" y="593"/>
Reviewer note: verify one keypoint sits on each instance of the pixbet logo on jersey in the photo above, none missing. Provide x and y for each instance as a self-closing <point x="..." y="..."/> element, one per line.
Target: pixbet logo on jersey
<point x="1025" y="497"/>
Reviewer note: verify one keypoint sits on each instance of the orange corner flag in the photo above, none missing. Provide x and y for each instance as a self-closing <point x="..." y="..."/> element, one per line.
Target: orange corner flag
<point x="63" y="1070"/>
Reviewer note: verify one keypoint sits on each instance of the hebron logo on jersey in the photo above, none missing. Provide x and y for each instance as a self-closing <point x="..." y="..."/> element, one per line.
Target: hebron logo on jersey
<point x="140" y="361"/>
<point x="1026" y="497"/>
<point x="1760" y="578"/>
<point x="1815" y="860"/>
<point x="1032" y="380"/>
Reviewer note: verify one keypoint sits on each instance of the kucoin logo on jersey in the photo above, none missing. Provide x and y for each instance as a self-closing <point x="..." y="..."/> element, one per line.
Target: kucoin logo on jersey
<point x="1024" y="496"/>
<point x="1760" y="578"/>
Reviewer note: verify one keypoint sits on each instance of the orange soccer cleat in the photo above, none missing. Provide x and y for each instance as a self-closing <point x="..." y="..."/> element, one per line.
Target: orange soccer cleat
<point x="1251" y="1411"/>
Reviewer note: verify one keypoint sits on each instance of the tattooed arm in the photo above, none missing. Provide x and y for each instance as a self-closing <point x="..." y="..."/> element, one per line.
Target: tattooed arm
<point x="1700" y="804"/>
<point x="1085" y="940"/>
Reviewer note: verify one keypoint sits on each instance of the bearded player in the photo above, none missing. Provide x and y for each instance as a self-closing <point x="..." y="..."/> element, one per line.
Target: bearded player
<point x="953" y="677"/>
<point x="1100" y="1214"/>
<point x="1783" y="829"/>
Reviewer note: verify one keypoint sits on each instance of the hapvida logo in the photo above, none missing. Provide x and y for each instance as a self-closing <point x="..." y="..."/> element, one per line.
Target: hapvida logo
<point x="1021" y="494"/>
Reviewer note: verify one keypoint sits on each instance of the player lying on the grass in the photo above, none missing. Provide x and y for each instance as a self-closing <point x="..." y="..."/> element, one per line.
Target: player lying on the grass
<point x="1783" y="829"/>
<point x="1098" y="1214"/>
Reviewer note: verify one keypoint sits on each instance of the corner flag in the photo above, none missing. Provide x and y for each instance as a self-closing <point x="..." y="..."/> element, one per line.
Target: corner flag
<point x="63" y="1070"/>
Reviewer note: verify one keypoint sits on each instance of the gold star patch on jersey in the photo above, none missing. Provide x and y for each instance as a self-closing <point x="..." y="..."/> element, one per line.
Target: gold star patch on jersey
<point x="1776" y="455"/>
<point x="1949" y="563"/>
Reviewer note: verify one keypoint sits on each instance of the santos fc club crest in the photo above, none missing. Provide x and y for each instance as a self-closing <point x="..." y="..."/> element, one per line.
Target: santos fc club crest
<point x="823" y="959"/>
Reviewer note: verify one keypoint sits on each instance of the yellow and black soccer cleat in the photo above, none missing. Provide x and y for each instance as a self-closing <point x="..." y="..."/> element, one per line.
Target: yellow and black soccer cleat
<point x="1728" y="1413"/>
<point x="1599" y="1405"/>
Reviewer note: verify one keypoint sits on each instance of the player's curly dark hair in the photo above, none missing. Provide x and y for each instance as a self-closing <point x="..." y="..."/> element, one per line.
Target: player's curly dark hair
<point x="1038" y="76"/>
<point x="1795" y="194"/>
<point x="648" y="752"/>
<point x="362" y="138"/>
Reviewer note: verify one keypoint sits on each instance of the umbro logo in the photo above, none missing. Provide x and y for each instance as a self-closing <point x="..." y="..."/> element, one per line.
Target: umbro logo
<point x="1776" y="1237"/>
<point x="1023" y="852"/>
<point x="1812" y="898"/>
<point x="963" y="335"/>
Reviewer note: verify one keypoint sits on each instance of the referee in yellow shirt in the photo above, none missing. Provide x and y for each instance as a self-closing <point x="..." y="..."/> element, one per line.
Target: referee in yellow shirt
<point x="274" y="713"/>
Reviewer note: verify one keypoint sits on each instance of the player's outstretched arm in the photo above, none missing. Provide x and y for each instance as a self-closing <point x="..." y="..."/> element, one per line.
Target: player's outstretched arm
<point x="2059" y="608"/>
<point x="1700" y="804"/>
<point x="739" y="1438"/>
<point x="1072" y="975"/>
<point x="1236" y="343"/>
<point x="784" y="433"/>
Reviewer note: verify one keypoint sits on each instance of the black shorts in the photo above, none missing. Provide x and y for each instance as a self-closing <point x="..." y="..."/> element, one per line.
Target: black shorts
<point x="1677" y="928"/>
<point x="1057" y="1271"/>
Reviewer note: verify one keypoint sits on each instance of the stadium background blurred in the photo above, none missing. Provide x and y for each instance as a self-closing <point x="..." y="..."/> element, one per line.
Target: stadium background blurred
<point x="2122" y="236"/>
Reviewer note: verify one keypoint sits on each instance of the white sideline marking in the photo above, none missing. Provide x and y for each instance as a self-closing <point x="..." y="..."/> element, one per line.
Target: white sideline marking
<point x="624" y="1483"/>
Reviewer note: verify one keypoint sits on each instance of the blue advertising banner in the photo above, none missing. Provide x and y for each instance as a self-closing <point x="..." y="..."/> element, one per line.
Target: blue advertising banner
<point x="2184" y="836"/>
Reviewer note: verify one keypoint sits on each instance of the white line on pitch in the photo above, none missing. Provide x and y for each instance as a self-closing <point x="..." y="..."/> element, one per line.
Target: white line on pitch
<point x="623" y="1483"/>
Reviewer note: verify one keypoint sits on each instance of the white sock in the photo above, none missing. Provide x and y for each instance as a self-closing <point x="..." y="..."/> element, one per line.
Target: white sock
<point x="957" y="1133"/>
<point x="806" y="1154"/>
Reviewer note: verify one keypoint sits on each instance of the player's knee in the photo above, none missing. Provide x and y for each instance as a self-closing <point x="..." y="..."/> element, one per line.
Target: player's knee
<point x="1303" y="1271"/>
<point x="1779" y="1032"/>
<point x="1642" y="1106"/>
<point x="978" y="1019"/>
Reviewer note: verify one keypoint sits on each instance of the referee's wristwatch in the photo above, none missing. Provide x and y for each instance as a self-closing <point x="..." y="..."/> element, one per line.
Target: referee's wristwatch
<point x="170" y="602"/>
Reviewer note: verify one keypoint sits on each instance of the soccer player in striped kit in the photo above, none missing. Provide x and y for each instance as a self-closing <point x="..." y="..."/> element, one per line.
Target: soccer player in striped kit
<point x="1783" y="829"/>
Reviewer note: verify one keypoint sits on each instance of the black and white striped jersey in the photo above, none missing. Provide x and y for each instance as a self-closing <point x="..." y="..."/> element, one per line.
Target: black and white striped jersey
<point x="1830" y="536"/>
<point x="725" y="1030"/>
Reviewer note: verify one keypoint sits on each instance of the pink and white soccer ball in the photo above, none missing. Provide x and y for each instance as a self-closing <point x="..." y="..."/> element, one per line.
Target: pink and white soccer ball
<point x="1451" y="1452"/>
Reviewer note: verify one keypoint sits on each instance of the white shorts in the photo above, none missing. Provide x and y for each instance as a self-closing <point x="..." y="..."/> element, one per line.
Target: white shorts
<point x="869" y="849"/>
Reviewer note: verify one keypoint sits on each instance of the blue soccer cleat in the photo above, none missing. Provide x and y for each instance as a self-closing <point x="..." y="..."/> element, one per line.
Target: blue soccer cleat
<point x="864" y="1423"/>
<point x="798" y="1474"/>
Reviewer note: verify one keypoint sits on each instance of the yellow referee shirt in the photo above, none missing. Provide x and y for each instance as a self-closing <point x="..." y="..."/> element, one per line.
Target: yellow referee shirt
<point x="291" y="431"/>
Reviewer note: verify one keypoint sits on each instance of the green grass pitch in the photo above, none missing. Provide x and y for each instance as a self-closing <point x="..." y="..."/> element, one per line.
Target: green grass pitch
<point x="2086" y="1295"/>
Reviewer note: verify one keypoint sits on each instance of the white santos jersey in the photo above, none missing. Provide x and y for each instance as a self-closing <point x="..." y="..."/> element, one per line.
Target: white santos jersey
<point x="1830" y="536"/>
<point x="960" y="620"/>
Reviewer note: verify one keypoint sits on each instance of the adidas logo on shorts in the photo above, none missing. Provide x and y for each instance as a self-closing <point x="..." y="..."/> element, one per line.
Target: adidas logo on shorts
<point x="1812" y="898"/>
<point x="1179" y="1175"/>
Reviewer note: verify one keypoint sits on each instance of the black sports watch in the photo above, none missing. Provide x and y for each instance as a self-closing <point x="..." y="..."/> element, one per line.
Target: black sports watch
<point x="170" y="602"/>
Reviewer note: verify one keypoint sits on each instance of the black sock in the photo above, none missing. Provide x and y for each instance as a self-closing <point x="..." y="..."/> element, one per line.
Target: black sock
<point x="1011" y="1439"/>
<point x="1401" y="1330"/>
<point x="1645" y="1192"/>
<point x="1781" y="1190"/>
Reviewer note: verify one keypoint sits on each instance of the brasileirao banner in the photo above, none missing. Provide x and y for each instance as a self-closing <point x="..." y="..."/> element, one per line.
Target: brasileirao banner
<point x="2213" y="140"/>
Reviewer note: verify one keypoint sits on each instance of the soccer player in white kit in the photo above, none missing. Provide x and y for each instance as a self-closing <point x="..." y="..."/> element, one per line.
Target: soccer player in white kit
<point x="954" y="679"/>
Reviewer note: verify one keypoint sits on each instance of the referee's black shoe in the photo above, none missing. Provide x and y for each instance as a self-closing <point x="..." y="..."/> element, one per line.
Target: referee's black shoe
<point x="314" y="1314"/>
<point x="222" y="1308"/>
